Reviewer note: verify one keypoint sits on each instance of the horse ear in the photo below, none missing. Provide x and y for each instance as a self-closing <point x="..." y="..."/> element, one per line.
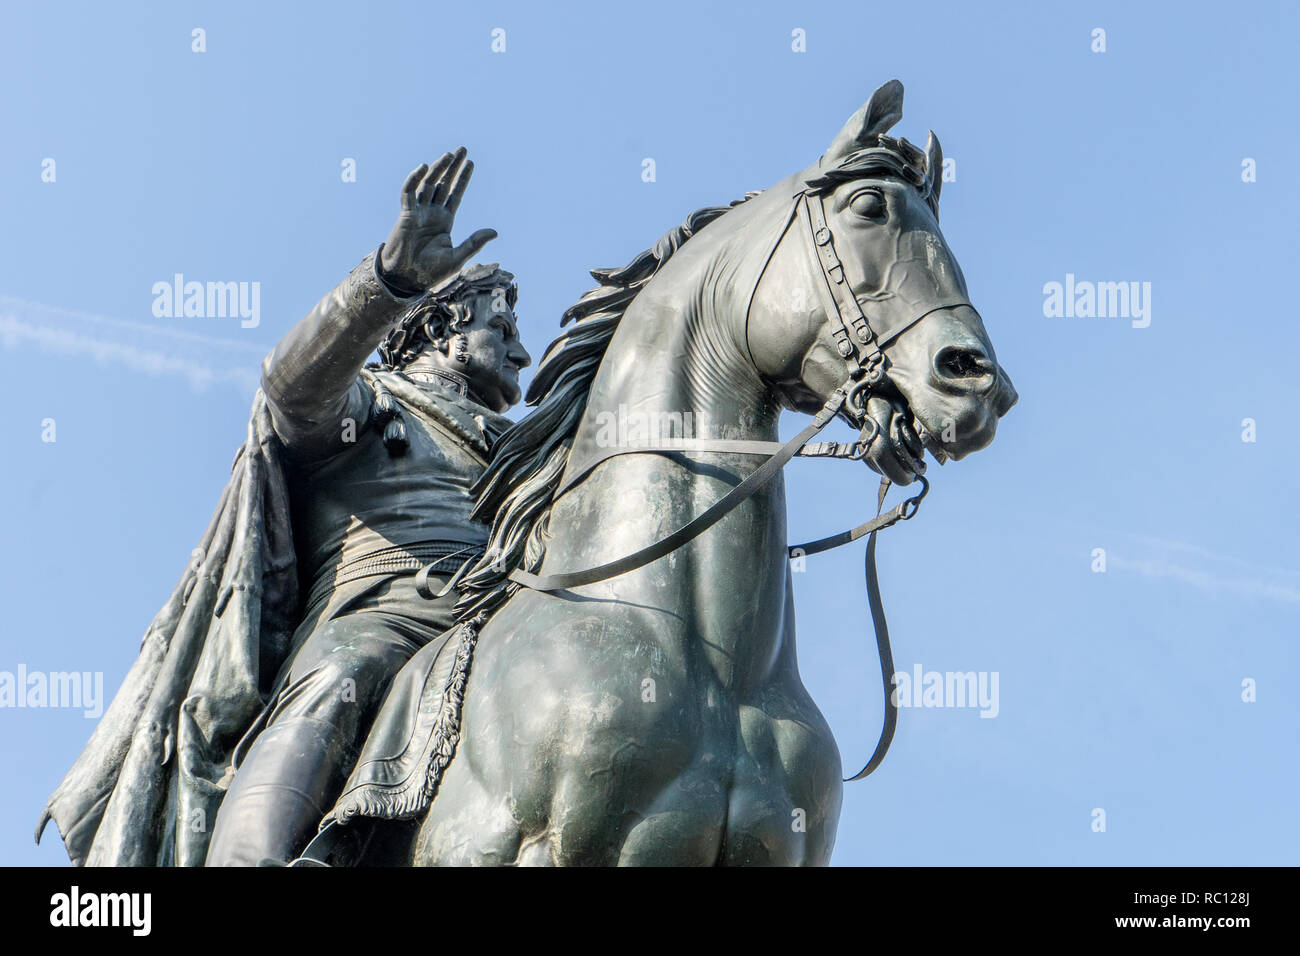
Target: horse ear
<point x="878" y="115"/>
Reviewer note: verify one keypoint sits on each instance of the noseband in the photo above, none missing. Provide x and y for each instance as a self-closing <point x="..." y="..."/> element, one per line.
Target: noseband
<point x="863" y="351"/>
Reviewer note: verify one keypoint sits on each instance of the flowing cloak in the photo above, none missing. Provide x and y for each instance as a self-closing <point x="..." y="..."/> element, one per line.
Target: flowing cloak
<point x="159" y="754"/>
<point x="146" y="789"/>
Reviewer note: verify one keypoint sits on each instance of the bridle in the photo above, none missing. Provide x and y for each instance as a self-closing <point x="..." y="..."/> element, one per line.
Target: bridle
<point x="859" y="344"/>
<point x="863" y="350"/>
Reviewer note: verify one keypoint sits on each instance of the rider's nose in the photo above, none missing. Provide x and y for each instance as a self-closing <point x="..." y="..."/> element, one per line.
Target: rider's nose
<point x="520" y="357"/>
<point x="964" y="367"/>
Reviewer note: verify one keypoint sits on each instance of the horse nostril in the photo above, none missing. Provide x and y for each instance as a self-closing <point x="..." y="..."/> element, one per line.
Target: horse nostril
<point x="959" y="363"/>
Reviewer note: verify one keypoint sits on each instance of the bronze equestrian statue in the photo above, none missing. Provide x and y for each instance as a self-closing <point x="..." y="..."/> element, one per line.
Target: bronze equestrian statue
<point x="625" y="688"/>
<point x="621" y="686"/>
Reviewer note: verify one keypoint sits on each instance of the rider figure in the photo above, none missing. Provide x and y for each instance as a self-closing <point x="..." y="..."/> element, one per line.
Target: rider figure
<point x="381" y="460"/>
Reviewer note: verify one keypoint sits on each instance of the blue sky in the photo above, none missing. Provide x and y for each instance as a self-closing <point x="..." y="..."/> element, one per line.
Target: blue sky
<point x="1119" y="690"/>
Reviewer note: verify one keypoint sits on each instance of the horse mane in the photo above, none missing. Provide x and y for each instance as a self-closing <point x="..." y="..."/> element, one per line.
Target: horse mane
<point x="516" y="491"/>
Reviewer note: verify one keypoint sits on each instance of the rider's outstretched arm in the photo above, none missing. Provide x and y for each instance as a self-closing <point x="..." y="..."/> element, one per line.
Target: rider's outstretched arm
<point x="311" y="379"/>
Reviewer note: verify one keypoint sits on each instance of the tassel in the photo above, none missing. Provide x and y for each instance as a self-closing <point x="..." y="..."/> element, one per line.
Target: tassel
<point x="387" y="413"/>
<point x="395" y="437"/>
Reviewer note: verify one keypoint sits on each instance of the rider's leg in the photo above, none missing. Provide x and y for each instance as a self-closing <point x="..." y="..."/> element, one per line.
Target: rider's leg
<point x="298" y="763"/>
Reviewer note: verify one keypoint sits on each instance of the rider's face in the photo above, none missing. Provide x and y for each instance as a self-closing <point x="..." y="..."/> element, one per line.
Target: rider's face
<point x="491" y="353"/>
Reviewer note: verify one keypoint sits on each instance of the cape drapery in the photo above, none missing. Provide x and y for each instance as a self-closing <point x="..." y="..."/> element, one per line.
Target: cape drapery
<point x="146" y="789"/>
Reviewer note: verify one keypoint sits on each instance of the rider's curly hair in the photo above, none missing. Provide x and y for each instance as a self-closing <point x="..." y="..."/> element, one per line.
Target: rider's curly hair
<point x="436" y="315"/>
<point x="443" y="311"/>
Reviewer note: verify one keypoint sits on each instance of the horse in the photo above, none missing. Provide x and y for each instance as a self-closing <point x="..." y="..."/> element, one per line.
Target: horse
<point x="653" y="713"/>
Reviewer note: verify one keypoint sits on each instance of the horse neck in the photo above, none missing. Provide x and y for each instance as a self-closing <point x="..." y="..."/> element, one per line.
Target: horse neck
<point x="676" y="353"/>
<point x="679" y="361"/>
<point x="680" y="348"/>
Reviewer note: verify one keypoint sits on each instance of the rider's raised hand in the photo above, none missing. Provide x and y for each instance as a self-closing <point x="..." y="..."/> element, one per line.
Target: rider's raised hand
<point x="419" y="253"/>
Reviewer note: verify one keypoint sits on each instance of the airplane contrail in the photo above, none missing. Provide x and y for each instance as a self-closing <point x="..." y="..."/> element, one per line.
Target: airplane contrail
<point x="151" y="349"/>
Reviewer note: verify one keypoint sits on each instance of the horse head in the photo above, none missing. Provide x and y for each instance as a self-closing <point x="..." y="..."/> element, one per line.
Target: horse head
<point x="861" y="290"/>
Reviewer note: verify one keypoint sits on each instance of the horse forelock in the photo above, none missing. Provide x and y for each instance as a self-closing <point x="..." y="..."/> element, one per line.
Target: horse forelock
<point x="922" y="169"/>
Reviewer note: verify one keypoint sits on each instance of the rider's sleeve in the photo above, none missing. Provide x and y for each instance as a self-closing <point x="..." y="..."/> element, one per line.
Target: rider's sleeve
<point x="312" y="379"/>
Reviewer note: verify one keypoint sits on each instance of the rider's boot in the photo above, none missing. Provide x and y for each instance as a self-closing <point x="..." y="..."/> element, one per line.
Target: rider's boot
<point x="279" y="795"/>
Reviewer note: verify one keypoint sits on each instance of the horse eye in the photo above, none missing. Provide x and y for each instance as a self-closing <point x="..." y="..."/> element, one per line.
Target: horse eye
<point x="869" y="204"/>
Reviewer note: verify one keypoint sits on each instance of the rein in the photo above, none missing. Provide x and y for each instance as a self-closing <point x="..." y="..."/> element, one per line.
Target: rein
<point x="727" y="503"/>
<point x="863" y="353"/>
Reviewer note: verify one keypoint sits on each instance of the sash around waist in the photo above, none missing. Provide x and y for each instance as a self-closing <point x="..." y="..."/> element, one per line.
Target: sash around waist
<point x="397" y="559"/>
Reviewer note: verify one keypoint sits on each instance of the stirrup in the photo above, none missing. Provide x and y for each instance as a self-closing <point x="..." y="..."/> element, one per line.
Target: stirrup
<point x="317" y="851"/>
